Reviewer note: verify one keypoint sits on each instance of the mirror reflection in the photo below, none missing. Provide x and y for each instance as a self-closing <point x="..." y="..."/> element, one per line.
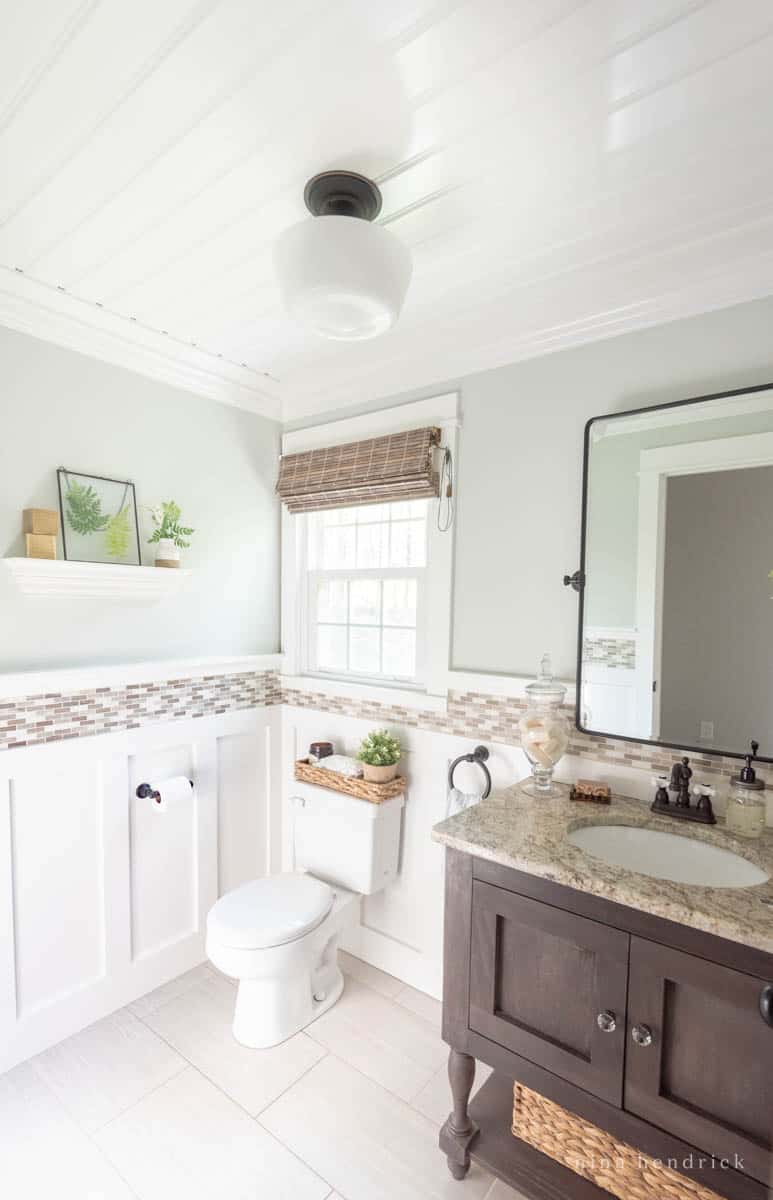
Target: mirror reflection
<point x="677" y="620"/>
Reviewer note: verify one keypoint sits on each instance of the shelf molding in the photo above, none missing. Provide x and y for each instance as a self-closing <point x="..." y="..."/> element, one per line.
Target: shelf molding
<point x="66" y="580"/>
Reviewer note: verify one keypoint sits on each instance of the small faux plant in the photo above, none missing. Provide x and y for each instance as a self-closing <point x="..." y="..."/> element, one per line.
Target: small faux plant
<point x="379" y="749"/>
<point x="166" y="518"/>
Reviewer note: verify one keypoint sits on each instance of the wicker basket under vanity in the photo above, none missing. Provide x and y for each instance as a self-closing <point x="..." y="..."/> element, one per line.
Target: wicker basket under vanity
<point x="597" y="1155"/>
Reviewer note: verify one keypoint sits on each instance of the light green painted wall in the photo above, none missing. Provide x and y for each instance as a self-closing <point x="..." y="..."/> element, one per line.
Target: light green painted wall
<point x="61" y="408"/>
<point x="520" y="469"/>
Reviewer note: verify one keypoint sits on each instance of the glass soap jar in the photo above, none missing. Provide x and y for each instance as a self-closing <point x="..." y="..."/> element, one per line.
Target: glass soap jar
<point x="746" y="805"/>
<point x="544" y="731"/>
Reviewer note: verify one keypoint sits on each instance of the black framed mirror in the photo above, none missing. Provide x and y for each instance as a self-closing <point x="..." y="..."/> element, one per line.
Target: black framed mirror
<point x="675" y="644"/>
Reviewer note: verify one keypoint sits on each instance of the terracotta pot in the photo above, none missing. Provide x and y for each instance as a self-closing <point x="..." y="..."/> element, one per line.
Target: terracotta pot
<point x="379" y="774"/>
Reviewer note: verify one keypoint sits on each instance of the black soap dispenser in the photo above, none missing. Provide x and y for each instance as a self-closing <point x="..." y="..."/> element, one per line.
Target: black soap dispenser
<point x="746" y="805"/>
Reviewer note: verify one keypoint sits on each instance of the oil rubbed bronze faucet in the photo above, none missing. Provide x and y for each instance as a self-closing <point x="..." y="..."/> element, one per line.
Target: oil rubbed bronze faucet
<point x="679" y="783"/>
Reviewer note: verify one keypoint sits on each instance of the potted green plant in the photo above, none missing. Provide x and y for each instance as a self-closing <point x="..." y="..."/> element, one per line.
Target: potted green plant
<point x="379" y="753"/>
<point x="169" y="536"/>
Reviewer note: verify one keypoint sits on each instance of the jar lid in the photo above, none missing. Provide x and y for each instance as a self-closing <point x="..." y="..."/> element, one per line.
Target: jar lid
<point x="545" y="687"/>
<point x="747" y="776"/>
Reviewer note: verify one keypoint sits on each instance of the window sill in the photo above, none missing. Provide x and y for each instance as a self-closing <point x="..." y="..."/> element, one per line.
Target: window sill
<point x="383" y="694"/>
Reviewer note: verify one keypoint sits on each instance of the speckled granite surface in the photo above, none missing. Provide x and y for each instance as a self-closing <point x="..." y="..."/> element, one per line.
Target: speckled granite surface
<point x="531" y="835"/>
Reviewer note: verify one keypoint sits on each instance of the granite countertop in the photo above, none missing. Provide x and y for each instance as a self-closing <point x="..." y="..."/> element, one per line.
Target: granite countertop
<point x="530" y="835"/>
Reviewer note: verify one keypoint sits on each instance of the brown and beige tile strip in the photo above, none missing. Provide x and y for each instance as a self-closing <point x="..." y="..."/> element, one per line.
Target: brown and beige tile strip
<point x="59" y="716"/>
<point x="495" y="719"/>
<point x="615" y="653"/>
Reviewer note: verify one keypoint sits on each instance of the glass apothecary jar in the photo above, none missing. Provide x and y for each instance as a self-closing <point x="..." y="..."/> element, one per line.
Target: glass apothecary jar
<point x="746" y="803"/>
<point x="544" y="731"/>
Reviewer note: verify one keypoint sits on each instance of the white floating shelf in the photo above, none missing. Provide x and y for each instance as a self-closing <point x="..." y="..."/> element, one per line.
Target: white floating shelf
<point x="58" y="578"/>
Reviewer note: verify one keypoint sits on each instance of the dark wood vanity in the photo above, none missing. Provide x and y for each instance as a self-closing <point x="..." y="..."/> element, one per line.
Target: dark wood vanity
<point x="658" y="1032"/>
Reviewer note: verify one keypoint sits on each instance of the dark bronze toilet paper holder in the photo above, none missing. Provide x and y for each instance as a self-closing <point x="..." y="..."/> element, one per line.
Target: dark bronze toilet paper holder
<point x="145" y="792"/>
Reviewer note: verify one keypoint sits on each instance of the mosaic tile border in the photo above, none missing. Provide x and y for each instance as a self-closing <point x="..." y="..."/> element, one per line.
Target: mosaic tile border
<point x="495" y="719"/>
<point x="616" y="653"/>
<point x="59" y="716"/>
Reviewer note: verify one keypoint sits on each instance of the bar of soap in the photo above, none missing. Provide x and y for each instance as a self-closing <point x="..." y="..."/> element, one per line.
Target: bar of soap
<point x="592" y="791"/>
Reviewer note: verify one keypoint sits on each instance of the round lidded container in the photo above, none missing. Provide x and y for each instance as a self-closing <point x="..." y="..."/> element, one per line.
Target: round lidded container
<point x="746" y="804"/>
<point x="544" y="731"/>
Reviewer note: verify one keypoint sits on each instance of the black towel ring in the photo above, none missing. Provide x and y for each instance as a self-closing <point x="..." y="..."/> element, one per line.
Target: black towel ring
<point x="479" y="756"/>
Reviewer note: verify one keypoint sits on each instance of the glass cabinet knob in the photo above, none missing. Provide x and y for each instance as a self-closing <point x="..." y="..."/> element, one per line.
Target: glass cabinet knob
<point x="607" y="1021"/>
<point x="642" y="1035"/>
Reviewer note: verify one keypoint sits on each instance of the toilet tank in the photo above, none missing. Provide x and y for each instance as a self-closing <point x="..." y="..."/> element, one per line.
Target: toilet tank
<point x="346" y="841"/>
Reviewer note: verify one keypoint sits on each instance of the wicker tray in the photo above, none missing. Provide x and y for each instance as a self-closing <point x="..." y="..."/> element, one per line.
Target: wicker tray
<point x="597" y="1155"/>
<point x="361" y="788"/>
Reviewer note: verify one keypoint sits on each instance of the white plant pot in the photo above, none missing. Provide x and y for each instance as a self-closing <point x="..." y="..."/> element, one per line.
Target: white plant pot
<point x="167" y="554"/>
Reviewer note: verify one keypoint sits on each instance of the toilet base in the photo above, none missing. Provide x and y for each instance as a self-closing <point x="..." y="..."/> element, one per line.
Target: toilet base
<point x="266" y="1015"/>
<point x="282" y="989"/>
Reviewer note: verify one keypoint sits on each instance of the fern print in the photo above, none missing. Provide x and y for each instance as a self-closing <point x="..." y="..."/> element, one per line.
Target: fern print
<point x="118" y="534"/>
<point x="84" y="509"/>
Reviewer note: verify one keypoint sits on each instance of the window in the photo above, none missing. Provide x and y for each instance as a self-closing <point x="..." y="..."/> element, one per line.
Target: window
<point x="366" y="590"/>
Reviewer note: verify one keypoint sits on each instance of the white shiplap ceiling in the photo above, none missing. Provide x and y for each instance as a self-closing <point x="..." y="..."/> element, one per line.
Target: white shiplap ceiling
<point x="561" y="169"/>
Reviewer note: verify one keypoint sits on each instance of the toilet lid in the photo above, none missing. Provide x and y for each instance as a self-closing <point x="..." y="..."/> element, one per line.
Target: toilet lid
<point x="268" y="912"/>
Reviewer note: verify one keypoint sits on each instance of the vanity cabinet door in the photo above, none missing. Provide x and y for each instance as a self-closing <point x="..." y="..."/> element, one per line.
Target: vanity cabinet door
<point x="551" y="987"/>
<point x="700" y="1054"/>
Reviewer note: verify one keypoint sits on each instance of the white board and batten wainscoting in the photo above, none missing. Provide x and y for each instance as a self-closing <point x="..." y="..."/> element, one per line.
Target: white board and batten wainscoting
<point x="104" y="896"/>
<point x="401" y="928"/>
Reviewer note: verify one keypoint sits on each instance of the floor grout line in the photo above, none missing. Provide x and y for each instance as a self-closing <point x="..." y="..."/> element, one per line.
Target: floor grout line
<point x="326" y="1054"/>
<point x="240" y="1106"/>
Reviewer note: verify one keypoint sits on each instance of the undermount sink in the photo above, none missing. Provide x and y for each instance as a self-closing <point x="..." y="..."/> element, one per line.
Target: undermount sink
<point x="667" y="856"/>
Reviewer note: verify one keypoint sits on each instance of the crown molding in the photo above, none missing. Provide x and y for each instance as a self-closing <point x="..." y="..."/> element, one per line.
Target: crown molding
<point x="46" y="312"/>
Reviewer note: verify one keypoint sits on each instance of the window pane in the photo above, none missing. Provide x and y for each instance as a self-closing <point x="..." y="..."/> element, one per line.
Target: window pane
<point x="365" y="601"/>
<point x="372" y="546"/>
<point x="400" y="652"/>
<point x="332" y="604"/>
<point x="409" y="544"/>
<point x="335" y="516"/>
<point x="364" y="650"/>
<point x="399" y="602"/>
<point x="403" y="510"/>
<point x="331" y="647"/>
<point x="368" y="513"/>
<point x="338" y="548"/>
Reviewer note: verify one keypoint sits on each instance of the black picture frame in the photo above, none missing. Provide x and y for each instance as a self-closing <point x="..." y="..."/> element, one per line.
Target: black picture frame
<point x="64" y="473"/>
<point x="582" y="576"/>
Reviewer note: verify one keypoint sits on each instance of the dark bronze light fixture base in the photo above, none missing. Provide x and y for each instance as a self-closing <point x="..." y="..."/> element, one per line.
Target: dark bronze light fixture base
<point x="342" y="194"/>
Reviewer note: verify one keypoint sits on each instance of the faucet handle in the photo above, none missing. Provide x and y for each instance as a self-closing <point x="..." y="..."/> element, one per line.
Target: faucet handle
<point x="704" y="793"/>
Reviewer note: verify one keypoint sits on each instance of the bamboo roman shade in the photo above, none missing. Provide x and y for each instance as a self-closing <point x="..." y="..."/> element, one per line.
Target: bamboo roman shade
<point x="396" y="467"/>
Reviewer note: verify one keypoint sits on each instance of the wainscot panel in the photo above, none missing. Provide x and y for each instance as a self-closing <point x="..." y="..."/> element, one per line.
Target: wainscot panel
<point x="103" y="896"/>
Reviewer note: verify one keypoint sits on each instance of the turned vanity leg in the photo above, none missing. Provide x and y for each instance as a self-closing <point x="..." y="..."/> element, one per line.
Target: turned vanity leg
<point x="459" y="1130"/>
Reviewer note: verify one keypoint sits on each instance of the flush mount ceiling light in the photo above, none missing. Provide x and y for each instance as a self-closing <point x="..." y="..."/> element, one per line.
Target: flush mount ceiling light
<point x="339" y="274"/>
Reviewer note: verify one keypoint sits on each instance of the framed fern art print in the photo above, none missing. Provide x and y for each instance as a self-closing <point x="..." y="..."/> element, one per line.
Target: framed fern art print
<point x="99" y="519"/>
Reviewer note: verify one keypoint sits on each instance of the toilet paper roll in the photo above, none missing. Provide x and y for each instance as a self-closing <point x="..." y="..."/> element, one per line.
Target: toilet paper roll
<point x="173" y="793"/>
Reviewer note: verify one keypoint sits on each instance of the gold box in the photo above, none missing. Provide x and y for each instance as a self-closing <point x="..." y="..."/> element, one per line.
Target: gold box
<point x="40" y="545"/>
<point x="41" y="520"/>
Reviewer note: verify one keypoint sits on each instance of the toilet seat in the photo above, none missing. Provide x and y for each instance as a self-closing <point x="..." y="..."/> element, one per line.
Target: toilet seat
<point x="269" y="912"/>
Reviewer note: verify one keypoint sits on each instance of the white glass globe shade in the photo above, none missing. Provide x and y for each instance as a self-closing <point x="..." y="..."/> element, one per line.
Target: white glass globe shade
<point x="341" y="276"/>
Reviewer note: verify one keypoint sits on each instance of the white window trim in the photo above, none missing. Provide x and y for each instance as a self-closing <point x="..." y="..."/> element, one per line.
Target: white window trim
<point x="439" y="410"/>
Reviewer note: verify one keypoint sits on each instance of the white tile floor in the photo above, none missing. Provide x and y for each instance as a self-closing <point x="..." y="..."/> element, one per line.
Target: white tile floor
<point x="158" y="1100"/>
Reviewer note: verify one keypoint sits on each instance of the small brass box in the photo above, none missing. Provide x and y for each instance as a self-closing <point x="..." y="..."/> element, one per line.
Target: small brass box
<point x="40" y="545"/>
<point x="41" y="520"/>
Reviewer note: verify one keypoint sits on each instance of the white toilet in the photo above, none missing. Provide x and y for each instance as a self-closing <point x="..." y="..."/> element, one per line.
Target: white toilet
<point x="279" y="935"/>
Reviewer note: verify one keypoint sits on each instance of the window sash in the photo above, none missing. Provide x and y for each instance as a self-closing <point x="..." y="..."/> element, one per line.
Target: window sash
<point x="311" y="624"/>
